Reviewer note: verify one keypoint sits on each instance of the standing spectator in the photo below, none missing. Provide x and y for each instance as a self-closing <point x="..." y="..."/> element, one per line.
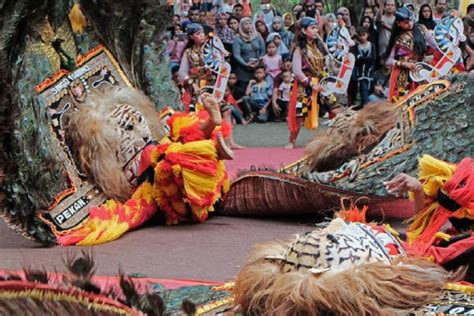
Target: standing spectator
<point x="369" y="11"/>
<point x="268" y="10"/>
<point x="330" y="24"/>
<point x="425" y="17"/>
<point x="224" y="32"/>
<point x="309" y="7"/>
<point x="318" y="4"/>
<point x="247" y="49"/>
<point x="175" y="45"/>
<point x="440" y="10"/>
<point x="272" y="62"/>
<point x="233" y="23"/>
<point x="283" y="96"/>
<point x="286" y="36"/>
<point x="176" y="20"/>
<point x="365" y="63"/>
<point x="385" y="23"/>
<point x="262" y="29"/>
<point x="346" y="17"/>
<point x="368" y="23"/>
<point x="258" y="95"/>
<point x="193" y="15"/>
<point x="288" y="20"/>
<point x="238" y="11"/>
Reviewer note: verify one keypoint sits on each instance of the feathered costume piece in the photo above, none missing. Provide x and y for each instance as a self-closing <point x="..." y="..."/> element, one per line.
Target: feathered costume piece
<point x="352" y="133"/>
<point x="449" y="190"/>
<point x="343" y="269"/>
<point x="182" y="176"/>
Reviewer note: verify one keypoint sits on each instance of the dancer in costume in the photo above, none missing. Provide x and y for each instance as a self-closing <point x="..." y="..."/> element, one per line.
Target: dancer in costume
<point x="408" y="45"/>
<point x="114" y="141"/>
<point x="309" y="68"/>
<point x="444" y="200"/>
<point x="193" y="74"/>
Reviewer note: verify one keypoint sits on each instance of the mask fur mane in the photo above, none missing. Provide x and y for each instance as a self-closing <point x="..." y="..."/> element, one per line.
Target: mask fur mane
<point x="94" y="139"/>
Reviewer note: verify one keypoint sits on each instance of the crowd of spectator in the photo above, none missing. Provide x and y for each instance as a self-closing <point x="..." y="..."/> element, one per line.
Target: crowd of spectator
<point x="260" y="46"/>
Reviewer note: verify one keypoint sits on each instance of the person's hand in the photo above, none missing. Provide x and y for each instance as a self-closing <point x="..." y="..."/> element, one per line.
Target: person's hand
<point x="409" y="66"/>
<point x="252" y="82"/>
<point x="317" y="88"/>
<point x="276" y="108"/>
<point x="403" y="183"/>
<point x="378" y="89"/>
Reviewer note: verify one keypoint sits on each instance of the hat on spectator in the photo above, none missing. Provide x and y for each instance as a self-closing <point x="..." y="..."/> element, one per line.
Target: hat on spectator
<point x="308" y="21"/>
<point x="194" y="28"/>
<point x="403" y="14"/>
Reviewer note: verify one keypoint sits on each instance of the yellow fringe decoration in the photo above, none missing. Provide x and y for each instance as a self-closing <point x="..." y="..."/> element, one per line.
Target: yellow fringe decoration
<point x="77" y="19"/>
<point x="464" y="288"/>
<point x="434" y="173"/>
<point x="444" y="236"/>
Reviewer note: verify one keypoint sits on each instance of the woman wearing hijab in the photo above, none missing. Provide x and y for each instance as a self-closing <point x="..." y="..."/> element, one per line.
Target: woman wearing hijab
<point x="425" y="17"/>
<point x="224" y="32"/>
<point x="247" y="49"/>
<point x="369" y="24"/>
<point x="278" y="27"/>
<point x="262" y="29"/>
<point x="288" y="20"/>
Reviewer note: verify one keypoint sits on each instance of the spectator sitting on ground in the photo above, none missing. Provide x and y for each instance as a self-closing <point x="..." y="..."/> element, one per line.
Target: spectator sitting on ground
<point x="277" y="112"/>
<point x="381" y="82"/>
<point x="233" y="23"/>
<point x="285" y="35"/>
<point x="258" y="96"/>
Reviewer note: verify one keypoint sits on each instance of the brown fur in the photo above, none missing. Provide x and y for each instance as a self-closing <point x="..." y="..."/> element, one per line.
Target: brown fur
<point x="94" y="140"/>
<point x="351" y="136"/>
<point x="370" y="289"/>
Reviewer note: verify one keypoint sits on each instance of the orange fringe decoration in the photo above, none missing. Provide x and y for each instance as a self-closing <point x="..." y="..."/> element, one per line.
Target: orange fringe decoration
<point x="354" y="214"/>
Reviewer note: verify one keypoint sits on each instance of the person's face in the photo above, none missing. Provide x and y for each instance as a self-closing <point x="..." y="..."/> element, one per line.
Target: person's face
<point x="238" y="12"/>
<point x="232" y="79"/>
<point x="194" y="15"/>
<point x="210" y="18"/>
<point x="426" y="12"/>
<point x="287" y="65"/>
<point x="260" y="74"/>
<point x="276" y="25"/>
<point x="406" y="24"/>
<point x="277" y="41"/>
<point x="265" y="8"/>
<point x="370" y="3"/>
<point x="288" y="21"/>
<point x="363" y="37"/>
<point x="390" y="6"/>
<point x="297" y="9"/>
<point x="221" y="20"/>
<point x="202" y="17"/>
<point x="369" y="12"/>
<point x="319" y="7"/>
<point x="198" y="37"/>
<point x="247" y="26"/>
<point x="271" y="49"/>
<point x="311" y="32"/>
<point x="366" y="23"/>
<point x="441" y="6"/>
<point x="176" y="20"/>
<point x="471" y="13"/>
<point x="234" y="25"/>
<point x="287" y="77"/>
<point x="260" y="26"/>
<point x="345" y="15"/>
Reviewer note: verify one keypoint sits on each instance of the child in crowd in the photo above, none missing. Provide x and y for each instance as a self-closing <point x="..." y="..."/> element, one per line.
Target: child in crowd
<point x="282" y="50"/>
<point x="272" y="62"/>
<point x="366" y="57"/>
<point x="381" y="82"/>
<point x="279" y="113"/>
<point x="257" y="96"/>
<point x="283" y="98"/>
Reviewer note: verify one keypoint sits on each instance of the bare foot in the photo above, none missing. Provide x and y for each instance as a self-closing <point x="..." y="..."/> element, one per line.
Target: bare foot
<point x="244" y="122"/>
<point x="212" y="107"/>
<point x="290" y="146"/>
<point x="223" y="151"/>
<point x="236" y="146"/>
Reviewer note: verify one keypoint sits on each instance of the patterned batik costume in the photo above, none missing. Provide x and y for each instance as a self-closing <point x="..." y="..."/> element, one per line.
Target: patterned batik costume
<point x="303" y="100"/>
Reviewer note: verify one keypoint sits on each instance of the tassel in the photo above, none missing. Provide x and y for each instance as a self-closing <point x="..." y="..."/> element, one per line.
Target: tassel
<point x="77" y="19"/>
